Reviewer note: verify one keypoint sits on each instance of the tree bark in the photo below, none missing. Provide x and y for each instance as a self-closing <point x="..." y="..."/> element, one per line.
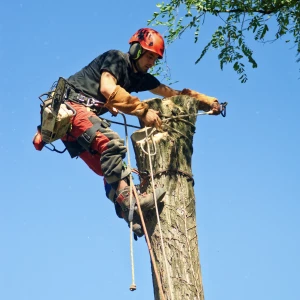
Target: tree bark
<point x="176" y="250"/>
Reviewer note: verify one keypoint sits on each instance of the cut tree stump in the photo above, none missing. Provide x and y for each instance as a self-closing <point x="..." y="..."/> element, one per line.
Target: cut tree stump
<point x="177" y="257"/>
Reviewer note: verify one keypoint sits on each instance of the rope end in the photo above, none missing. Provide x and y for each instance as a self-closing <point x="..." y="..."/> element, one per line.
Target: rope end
<point x="132" y="287"/>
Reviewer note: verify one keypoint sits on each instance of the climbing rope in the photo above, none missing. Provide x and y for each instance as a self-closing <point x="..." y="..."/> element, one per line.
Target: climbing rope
<point x="144" y="176"/>
<point x="157" y="277"/>
<point x="223" y="106"/>
<point x="142" y="144"/>
<point x="133" y="189"/>
<point x="131" y="210"/>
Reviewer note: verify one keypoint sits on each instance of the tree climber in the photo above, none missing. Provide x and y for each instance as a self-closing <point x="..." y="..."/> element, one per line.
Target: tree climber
<point x="110" y="78"/>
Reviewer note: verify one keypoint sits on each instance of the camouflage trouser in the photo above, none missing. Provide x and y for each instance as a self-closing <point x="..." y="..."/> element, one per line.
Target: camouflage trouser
<point x="103" y="153"/>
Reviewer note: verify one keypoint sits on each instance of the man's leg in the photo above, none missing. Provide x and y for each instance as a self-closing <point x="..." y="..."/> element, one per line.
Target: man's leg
<point x="105" y="158"/>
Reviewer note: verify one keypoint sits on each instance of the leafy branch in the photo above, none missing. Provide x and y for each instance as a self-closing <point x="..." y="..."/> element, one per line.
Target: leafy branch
<point x="240" y="19"/>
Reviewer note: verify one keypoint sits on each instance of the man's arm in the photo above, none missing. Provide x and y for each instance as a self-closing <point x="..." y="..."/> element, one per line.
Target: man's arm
<point x="165" y="91"/>
<point x="119" y="99"/>
<point x="108" y="84"/>
<point x="206" y="103"/>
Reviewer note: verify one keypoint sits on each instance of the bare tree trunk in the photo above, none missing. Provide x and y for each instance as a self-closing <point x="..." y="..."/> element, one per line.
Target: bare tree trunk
<point x="176" y="250"/>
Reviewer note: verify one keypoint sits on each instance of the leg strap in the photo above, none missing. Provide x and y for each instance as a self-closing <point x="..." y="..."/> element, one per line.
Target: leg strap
<point x="85" y="140"/>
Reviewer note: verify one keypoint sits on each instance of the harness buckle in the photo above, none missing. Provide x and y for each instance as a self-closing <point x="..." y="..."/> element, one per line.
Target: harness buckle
<point x="88" y="102"/>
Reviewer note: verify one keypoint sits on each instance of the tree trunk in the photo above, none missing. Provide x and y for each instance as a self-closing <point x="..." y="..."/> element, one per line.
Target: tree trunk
<point x="176" y="250"/>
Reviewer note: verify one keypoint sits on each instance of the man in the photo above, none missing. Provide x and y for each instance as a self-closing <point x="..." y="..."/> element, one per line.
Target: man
<point x="110" y="78"/>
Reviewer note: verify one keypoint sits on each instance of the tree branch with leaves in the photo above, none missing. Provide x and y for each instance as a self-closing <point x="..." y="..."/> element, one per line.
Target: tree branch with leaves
<point x="239" y="21"/>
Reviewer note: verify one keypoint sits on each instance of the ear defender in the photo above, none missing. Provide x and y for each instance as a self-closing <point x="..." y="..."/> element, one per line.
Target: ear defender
<point x="135" y="51"/>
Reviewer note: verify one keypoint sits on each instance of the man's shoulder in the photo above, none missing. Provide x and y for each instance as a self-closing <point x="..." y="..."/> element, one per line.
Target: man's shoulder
<point x="116" y="53"/>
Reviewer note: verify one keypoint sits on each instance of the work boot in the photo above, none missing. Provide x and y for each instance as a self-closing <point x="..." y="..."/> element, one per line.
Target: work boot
<point x="146" y="200"/>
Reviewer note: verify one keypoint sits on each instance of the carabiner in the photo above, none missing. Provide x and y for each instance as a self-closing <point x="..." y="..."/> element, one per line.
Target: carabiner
<point x="223" y="109"/>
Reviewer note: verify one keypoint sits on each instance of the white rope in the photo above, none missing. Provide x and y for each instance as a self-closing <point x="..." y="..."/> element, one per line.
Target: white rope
<point x="130" y="231"/>
<point x="144" y="139"/>
<point x="183" y="116"/>
<point x="133" y="285"/>
<point x="132" y="187"/>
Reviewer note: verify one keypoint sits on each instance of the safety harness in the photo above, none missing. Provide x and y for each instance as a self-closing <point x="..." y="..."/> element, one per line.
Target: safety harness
<point x="96" y="106"/>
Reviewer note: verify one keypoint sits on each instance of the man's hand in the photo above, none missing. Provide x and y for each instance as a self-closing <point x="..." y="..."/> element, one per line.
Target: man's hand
<point x="206" y="103"/>
<point x="215" y="108"/>
<point x="151" y="118"/>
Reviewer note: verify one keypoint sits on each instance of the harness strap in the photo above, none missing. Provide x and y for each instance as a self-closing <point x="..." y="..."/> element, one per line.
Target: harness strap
<point x="95" y="105"/>
<point x="85" y="140"/>
<point x="73" y="148"/>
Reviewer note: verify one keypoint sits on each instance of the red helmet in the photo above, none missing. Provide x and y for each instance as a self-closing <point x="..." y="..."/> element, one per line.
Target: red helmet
<point x="150" y="40"/>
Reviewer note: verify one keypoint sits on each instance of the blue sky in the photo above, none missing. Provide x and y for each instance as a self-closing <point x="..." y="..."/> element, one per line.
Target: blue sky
<point x="60" y="238"/>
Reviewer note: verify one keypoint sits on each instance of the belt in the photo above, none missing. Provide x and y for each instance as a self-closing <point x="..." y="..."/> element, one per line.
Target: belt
<point x="87" y="101"/>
